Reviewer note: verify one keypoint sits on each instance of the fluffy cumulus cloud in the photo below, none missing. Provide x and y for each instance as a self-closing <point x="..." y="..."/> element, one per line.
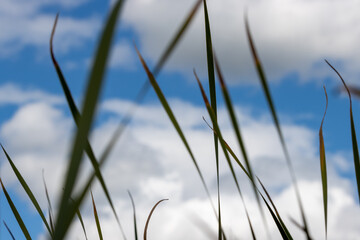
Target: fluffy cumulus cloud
<point x="291" y="36"/>
<point x="151" y="162"/>
<point x="31" y="26"/>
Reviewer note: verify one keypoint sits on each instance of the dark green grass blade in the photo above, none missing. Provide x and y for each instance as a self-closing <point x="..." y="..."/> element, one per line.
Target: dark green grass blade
<point x="298" y="225"/>
<point x="76" y="116"/>
<point x="282" y="224"/>
<point x="271" y="105"/>
<point x="9" y="231"/>
<point x="218" y="133"/>
<point x="212" y="90"/>
<point x="353" y="134"/>
<point x="134" y="215"/>
<point x="236" y="127"/>
<point x="28" y="191"/>
<point x="49" y="204"/>
<point x="96" y="217"/>
<point x="323" y="166"/>
<point x="16" y="213"/>
<point x="78" y="213"/>
<point x="174" y="122"/>
<point x="148" y="219"/>
<point x="95" y="83"/>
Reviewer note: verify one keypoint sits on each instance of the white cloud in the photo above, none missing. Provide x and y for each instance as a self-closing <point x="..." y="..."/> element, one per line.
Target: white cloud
<point x="122" y="55"/>
<point x="30" y="26"/>
<point x="291" y="36"/>
<point x="151" y="161"/>
<point x="13" y="94"/>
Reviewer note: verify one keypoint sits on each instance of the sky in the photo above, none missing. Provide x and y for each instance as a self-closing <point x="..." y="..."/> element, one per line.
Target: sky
<point x="292" y="37"/>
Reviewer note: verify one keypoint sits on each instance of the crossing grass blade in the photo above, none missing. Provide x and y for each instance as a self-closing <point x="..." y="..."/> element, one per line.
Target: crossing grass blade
<point x="148" y="219"/>
<point x="323" y="165"/>
<point x="49" y="204"/>
<point x="76" y="116"/>
<point x="353" y="134"/>
<point x="78" y="213"/>
<point x="9" y="231"/>
<point x="28" y="191"/>
<point x="212" y="90"/>
<point x="282" y="224"/>
<point x="16" y="213"/>
<point x="134" y="215"/>
<point x="218" y="133"/>
<point x="271" y="105"/>
<point x="95" y="83"/>
<point x="96" y="217"/>
<point x="236" y="128"/>
<point x="175" y="123"/>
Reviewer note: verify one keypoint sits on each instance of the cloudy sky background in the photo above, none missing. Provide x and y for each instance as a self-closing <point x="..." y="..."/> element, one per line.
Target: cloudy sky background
<point x="292" y="38"/>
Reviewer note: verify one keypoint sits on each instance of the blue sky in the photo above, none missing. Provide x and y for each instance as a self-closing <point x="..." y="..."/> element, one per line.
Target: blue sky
<point x="292" y="37"/>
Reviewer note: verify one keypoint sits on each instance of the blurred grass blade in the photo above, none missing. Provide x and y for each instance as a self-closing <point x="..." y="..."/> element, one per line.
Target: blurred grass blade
<point x="16" y="213"/>
<point x="96" y="217"/>
<point x="94" y="86"/>
<point x="174" y="122"/>
<point x="218" y="133"/>
<point x="271" y="105"/>
<point x="212" y="90"/>
<point x="323" y="166"/>
<point x="134" y="215"/>
<point x="298" y="225"/>
<point x="28" y="191"/>
<point x="353" y="134"/>
<point x="282" y="224"/>
<point x="158" y="67"/>
<point x="236" y="127"/>
<point x="76" y="116"/>
<point x="49" y="204"/>
<point x="8" y="229"/>
<point x="148" y="219"/>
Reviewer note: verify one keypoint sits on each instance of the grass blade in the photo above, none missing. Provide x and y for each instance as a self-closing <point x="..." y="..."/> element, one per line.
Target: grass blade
<point x="28" y="191"/>
<point x="76" y="116"/>
<point x="218" y="133"/>
<point x="134" y="215"/>
<point x="95" y="83"/>
<point x="174" y="122"/>
<point x="148" y="219"/>
<point x="282" y="224"/>
<point x="212" y="90"/>
<point x="323" y="165"/>
<point x="78" y="213"/>
<point x="96" y="218"/>
<point x="8" y="229"/>
<point x="353" y="134"/>
<point x="49" y="204"/>
<point x="16" y="213"/>
<point x="271" y="105"/>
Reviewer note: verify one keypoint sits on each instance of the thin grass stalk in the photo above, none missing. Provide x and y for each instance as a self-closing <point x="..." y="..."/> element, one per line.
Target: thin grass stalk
<point x="28" y="191"/>
<point x="212" y="90"/>
<point x="76" y="116"/>
<point x="217" y="130"/>
<point x="271" y="105"/>
<point x="9" y="231"/>
<point x="51" y="216"/>
<point x="96" y="216"/>
<point x="134" y="215"/>
<point x="353" y="134"/>
<point x="16" y="213"/>
<point x="323" y="166"/>
<point x="95" y="83"/>
<point x="150" y="214"/>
